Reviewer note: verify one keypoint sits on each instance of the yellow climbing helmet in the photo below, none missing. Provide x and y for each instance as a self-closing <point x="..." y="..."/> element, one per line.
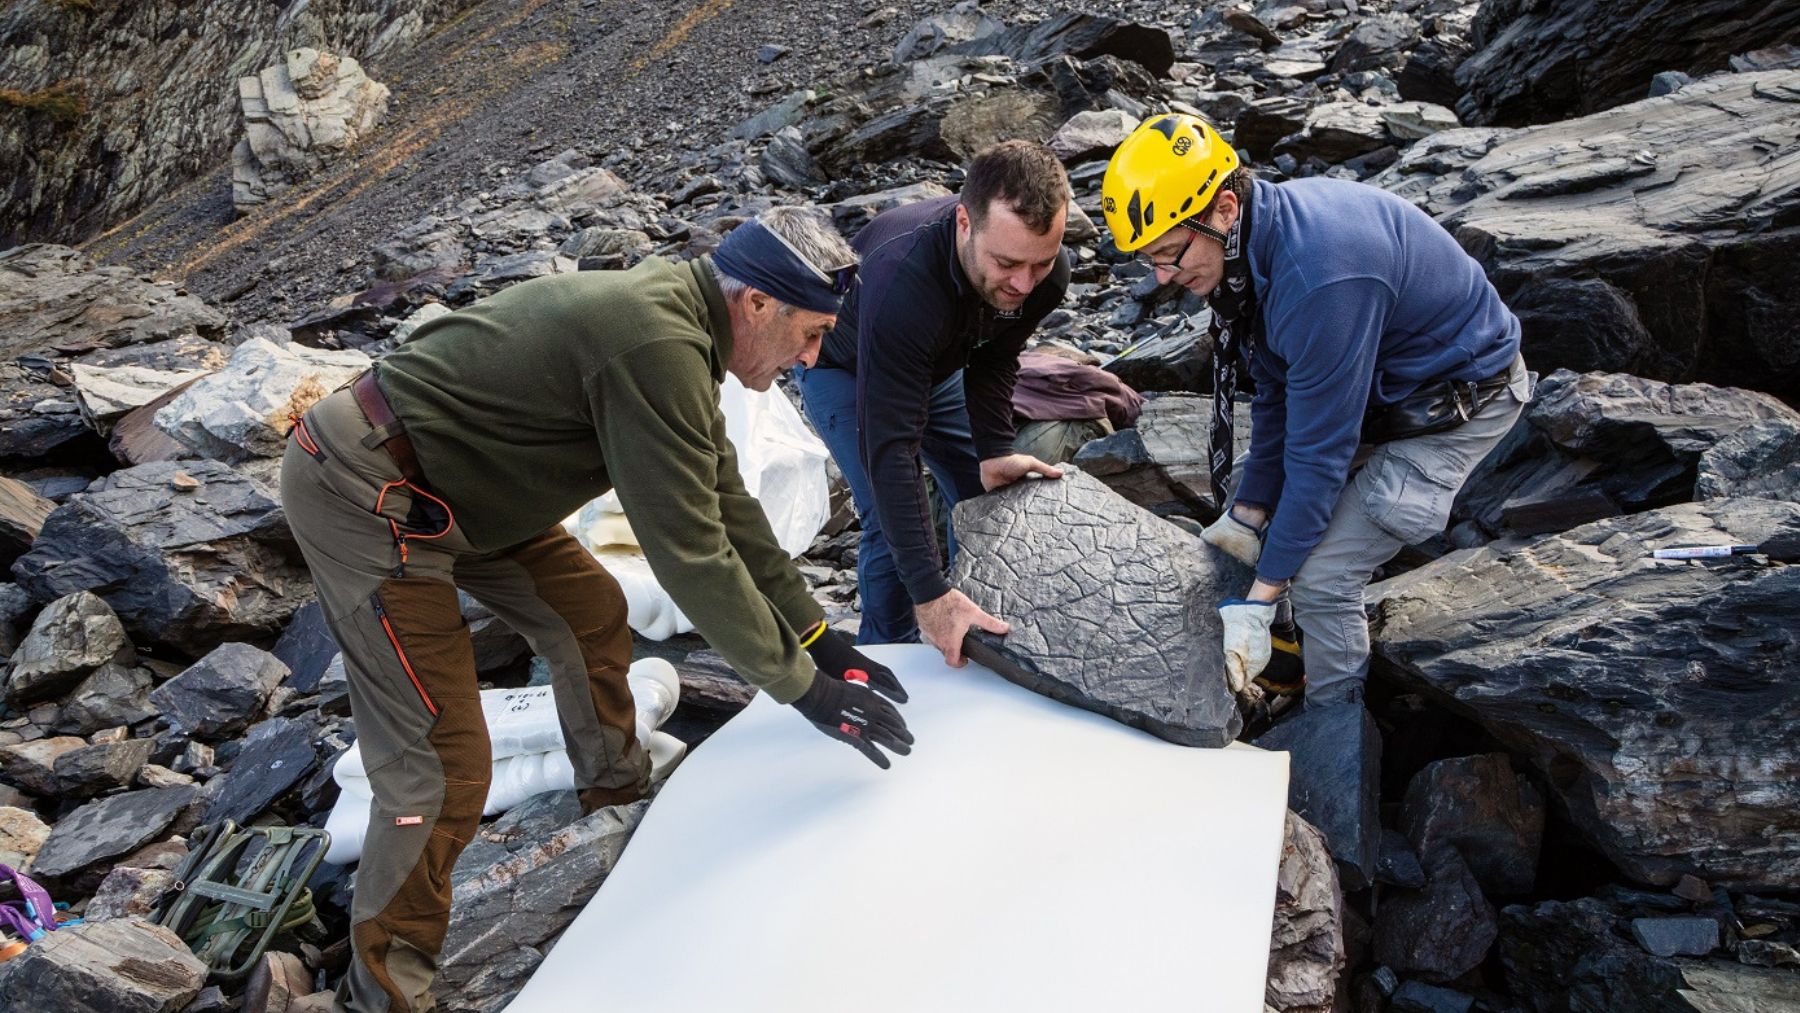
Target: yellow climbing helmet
<point x="1169" y="168"/>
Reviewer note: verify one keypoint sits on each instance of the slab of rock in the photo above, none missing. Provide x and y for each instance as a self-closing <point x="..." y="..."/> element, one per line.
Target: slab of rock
<point x="1112" y="609"/>
<point x="709" y="682"/>
<point x="276" y="981"/>
<point x="1376" y="43"/>
<point x="110" y="827"/>
<point x="493" y="273"/>
<point x="1418" y="997"/>
<point x="1655" y="699"/>
<point x="55" y="297"/>
<point x="1161" y="463"/>
<point x="128" y="892"/>
<point x="1397" y="864"/>
<point x="517" y="886"/>
<point x="113" y="696"/>
<point x="74" y="635"/>
<point x="1493" y="818"/>
<point x="306" y="647"/>
<point x="1439" y="933"/>
<point x="429" y="244"/>
<point x="188" y="567"/>
<point x="1092" y="134"/>
<point x="1306" y="945"/>
<point x="788" y="112"/>
<point x="1180" y="360"/>
<point x="21" y="835"/>
<point x="852" y="213"/>
<point x="1676" y="937"/>
<point x="102" y="767"/>
<point x="299" y="116"/>
<point x="786" y="162"/>
<point x="1539" y="62"/>
<point x="962" y="23"/>
<point x="107" y="394"/>
<point x="32" y="765"/>
<point x="1336" y="132"/>
<point x="123" y="966"/>
<point x="277" y="754"/>
<point x="242" y="411"/>
<point x="1083" y="36"/>
<point x="1599" y="444"/>
<point x="1642" y="239"/>
<point x="221" y="693"/>
<point x="1334" y="781"/>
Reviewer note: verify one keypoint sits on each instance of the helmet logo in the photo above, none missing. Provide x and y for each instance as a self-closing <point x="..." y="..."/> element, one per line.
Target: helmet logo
<point x="1183" y="145"/>
<point x="1109" y="205"/>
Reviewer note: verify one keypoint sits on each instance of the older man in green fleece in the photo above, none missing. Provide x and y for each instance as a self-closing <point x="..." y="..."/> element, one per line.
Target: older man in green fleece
<point x="451" y="464"/>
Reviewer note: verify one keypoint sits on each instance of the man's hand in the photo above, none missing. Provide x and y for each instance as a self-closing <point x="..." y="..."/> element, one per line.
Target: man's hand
<point x="999" y="471"/>
<point x="851" y="713"/>
<point x="944" y="620"/>
<point x="835" y="655"/>
<point x="1235" y="537"/>
<point x="1246" y="639"/>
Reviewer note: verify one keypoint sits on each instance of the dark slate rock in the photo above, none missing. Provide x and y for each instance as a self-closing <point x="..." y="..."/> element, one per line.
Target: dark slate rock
<point x="1334" y="781"/>
<point x="497" y="645"/>
<point x="1439" y="933"/>
<point x="1765" y="953"/>
<point x="306" y="648"/>
<point x="786" y="162"/>
<point x="1418" y="997"/>
<point x="1306" y="945"/>
<point x="221" y="693"/>
<point x="516" y="888"/>
<point x="1180" y="360"/>
<point x="32" y="765"/>
<point x="1644" y="239"/>
<point x="1762" y="459"/>
<point x="112" y="696"/>
<point x="1376" y="43"/>
<point x="1676" y="937"/>
<point x="785" y="113"/>
<point x="1112" y="609"/>
<point x="1429" y="71"/>
<point x="91" y="770"/>
<point x="1655" y="699"/>
<point x="72" y="637"/>
<point x="708" y="681"/>
<point x="961" y="23"/>
<point x="124" y="965"/>
<point x="1083" y="36"/>
<point x="277" y="754"/>
<point x="110" y="827"/>
<point x="1398" y="864"/>
<point x="1494" y="818"/>
<point x="185" y="567"/>
<point x="1267" y="121"/>
<point x="1161" y="463"/>
<point x="1539" y="62"/>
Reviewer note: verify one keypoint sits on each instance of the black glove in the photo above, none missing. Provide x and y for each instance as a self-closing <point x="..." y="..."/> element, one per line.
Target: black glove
<point x="850" y="712"/>
<point x="835" y="655"/>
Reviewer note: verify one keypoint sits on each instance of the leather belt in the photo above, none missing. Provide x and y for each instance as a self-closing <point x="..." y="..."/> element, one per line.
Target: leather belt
<point x="388" y="432"/>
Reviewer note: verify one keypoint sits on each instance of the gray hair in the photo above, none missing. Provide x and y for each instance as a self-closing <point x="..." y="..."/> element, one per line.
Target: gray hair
<point x="810" y="232"/>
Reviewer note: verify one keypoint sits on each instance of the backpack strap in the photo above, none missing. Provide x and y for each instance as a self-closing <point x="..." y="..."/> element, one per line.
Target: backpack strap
<point x="35" y="903"/>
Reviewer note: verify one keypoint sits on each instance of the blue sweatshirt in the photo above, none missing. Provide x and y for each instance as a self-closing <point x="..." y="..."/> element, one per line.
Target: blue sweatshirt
<point x="1364" y="299"/>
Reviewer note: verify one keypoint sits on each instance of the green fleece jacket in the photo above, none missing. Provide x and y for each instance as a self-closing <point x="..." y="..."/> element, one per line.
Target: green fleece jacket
<point x="533" y="401"/>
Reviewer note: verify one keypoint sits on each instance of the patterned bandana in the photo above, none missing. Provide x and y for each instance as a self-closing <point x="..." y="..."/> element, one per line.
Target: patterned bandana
<point x="1236" y="317"/>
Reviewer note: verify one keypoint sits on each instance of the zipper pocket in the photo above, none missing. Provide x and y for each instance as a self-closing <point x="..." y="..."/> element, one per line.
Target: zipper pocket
<point x="400" y="652"/>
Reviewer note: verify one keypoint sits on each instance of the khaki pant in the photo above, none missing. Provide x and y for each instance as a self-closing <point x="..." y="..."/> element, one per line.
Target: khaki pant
<point x="387" y="559"/>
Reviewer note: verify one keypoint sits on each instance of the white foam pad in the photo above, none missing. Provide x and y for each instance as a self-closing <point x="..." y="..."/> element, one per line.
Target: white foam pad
<point x="1027" y="856"/>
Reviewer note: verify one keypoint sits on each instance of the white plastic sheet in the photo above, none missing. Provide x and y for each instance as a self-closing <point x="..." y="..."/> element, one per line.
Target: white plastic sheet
<point x="783" y="465"/>
<point x="528" y="751"/>
<point x="1026" y="856"/>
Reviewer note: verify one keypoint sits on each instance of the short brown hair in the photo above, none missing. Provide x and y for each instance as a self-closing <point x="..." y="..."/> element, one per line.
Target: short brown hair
<point x="1026" y="175"/>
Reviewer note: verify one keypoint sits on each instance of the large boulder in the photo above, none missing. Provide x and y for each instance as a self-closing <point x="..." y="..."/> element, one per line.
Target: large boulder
<point x="299" y="116"/>
<point x="1161" y="464"/>
<point x="1306" y="945"/>
<point x="1651" y="239"/>
<point x="187" y="554"/>
<point x="517" y="887"/>
<point x="221" y="693"/>
<point x="1083" y="36"/>
<point x="124" y="965"/>
<point x="1543" y="60"/>
<point x="72" y="637"/>
<point x="242" y="411"/>
<point x="54" y="297"/>
<point x="110" y="827"/>
<point x="1656" y="699"/>
<point x="1112" y="608"/>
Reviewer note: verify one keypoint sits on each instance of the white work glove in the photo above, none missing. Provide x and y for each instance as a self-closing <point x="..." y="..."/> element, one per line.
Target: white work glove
<point x="1246" y="639"/>
<point x="1235" y="538"/>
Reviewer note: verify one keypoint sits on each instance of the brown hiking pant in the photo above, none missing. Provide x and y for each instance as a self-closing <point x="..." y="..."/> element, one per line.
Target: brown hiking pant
<point x="387" y="558"/>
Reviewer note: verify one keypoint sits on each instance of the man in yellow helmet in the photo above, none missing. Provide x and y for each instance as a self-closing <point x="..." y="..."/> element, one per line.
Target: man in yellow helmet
<point x="1386" y="368"/>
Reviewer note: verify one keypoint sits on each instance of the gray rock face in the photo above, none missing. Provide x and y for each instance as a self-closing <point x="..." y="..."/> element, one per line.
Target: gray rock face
<point x="122" y="966"/>
<point x="1664" y="729"/>
<point x="1439" y="933"/>
<point x="1306" y="945"/>
<point x="1493" y="818"/>
<point x="32" y="765"/>
<point x="1178" y="361"/>
<point x="306" y="647"/>
<point x="517" y="886"/>
<point x="300" y="115"/>
<point x="1092" y="134"/>
<point x="1112" y="609"/>
<point x="110" y="827"/>
<point x="1083" y="36"/>
<point x="54" y="296"/>
<point x="221" y="693"/>
<point x="1334" y="781"/>
<point x="277" y="755"/>
<point x="73" y="636"/>
<point x="1600" y="444"/>
<point x="1161" y="463"/>
<point x="185" y="567"/>
<point x="1538" y="62"/>
<point x="1642" y="239"/>
<point x="1676" y="937"/>
<point x="159" y="106"/>
<point x="242" y="410"/>
<point x="112" y="696"/>
<point x="962" y="23"/>
<point x="91" y="770"/>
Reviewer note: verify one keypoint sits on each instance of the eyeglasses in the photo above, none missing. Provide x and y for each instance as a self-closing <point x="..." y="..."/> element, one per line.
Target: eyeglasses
<point x="1171" y="265"/>
<point x="842" y="279"/>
